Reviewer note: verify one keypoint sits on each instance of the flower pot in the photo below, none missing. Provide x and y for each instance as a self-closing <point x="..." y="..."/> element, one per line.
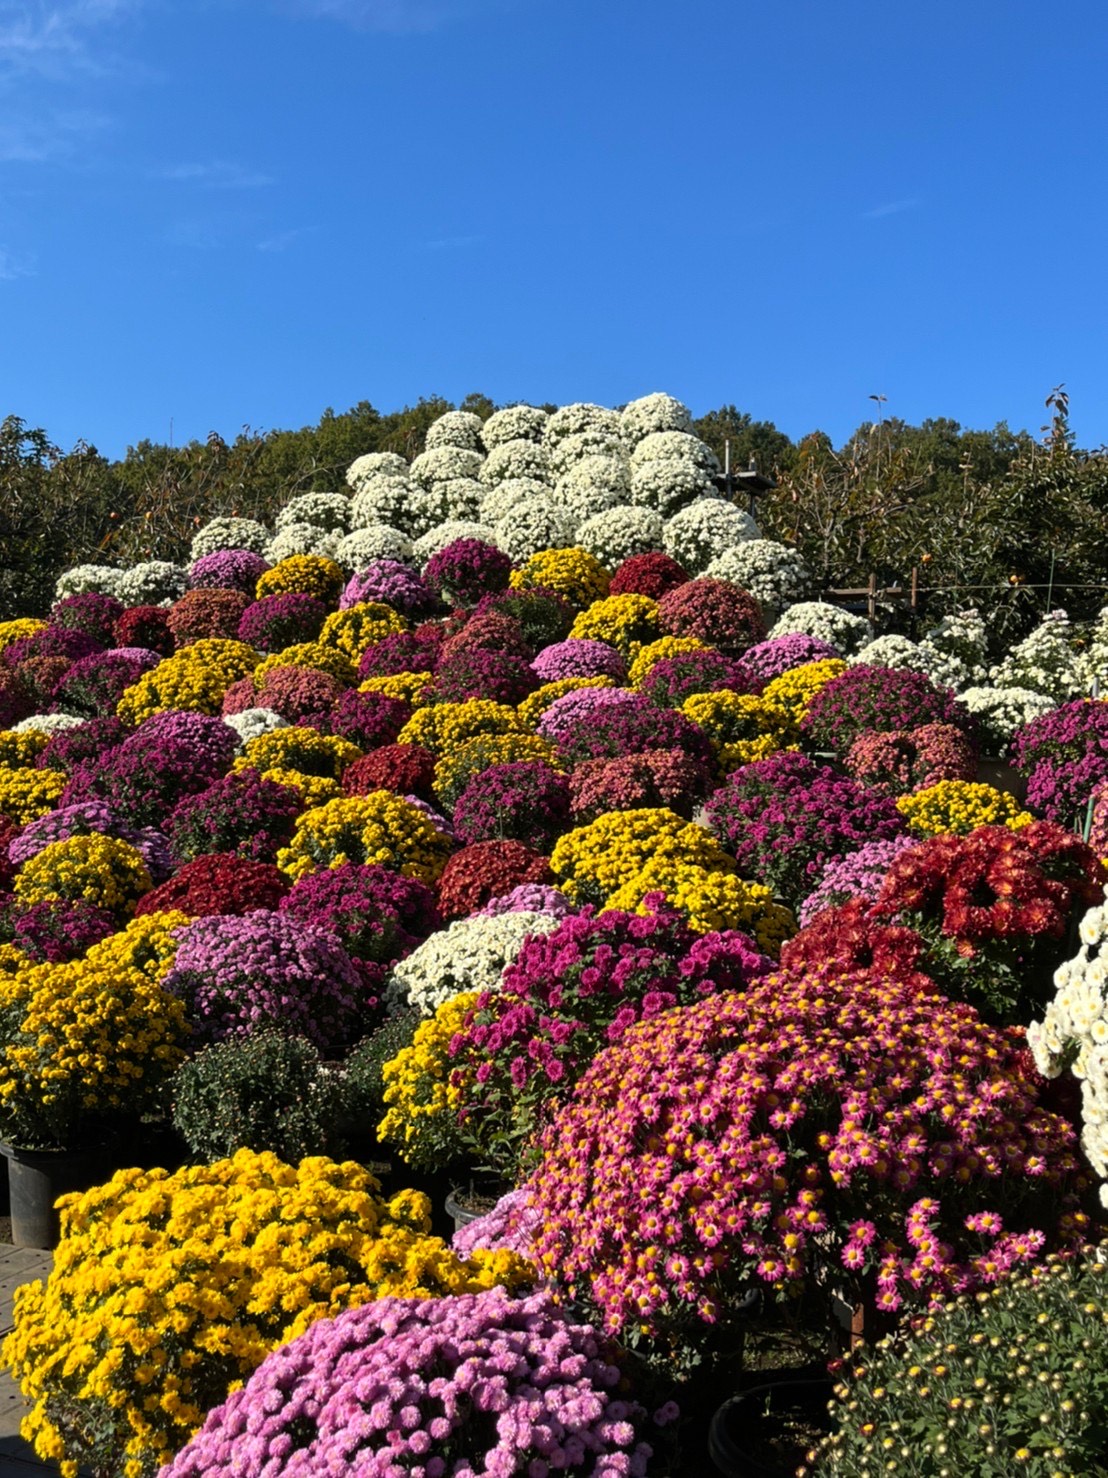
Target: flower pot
<point x="1002" y="776"/>
<point x="466" y="1203"/>
<point x="459" y="1214"/>
<point x="36" y="1178"/>
<point x="737" y="1436"/>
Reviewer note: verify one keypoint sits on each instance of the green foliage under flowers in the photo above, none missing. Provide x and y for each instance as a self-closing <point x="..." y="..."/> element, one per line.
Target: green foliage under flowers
<point x="1011" y="1380"/>
<point x="362" y="1070"/>
<point x="265" y="1092"/>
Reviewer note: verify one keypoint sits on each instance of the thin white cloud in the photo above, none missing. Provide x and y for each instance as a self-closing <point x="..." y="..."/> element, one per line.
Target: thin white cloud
<point x="53" y="136"/>
<point x="55" y="40"/>
<point x="890" y="208"/>
<point x="282" y="240"/>
<point x="218" y="174"/>
<point x="398" y="16"/>
<point x="13" y="266"/>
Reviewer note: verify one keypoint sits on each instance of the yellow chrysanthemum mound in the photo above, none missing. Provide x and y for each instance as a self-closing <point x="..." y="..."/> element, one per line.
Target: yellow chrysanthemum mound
<point x="591" y="862"/>
<point x="710" y="899"/>
<point x="409" y="687"/>
<point x="100" y="870"/>
<point x="658" y="651"/>
<point x="742" y="728"/>
<point x="573" y="572"/>
<point x="194" y="680"/>
<point x="794" y="690"/>
<point x="960" y="806"/>
<point x="358" y="627"/>
<point x="89" y="1037"/>
<point x="27" y="794"/>
<point x="19" y="629"/>
<point x="376" y="828"/>
<point x="303" y="574"/>
<point x="535" y="704"/>
<point x="458" y="766"/>
<point x="442" y="727"/>
<point x="421" y="1088"/>
<point x="19" y="750"/>
<point x="623" y="621"/>
<point x="169" y="1289"/>
<point x="308" y="654"/>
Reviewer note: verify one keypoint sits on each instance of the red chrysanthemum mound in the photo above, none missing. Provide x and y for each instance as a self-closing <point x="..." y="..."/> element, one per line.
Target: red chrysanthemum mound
<point x="218" y="883"/>
<point x="719" y="613"/>
<point x="821" y="1129"/>
<point x="206" y="613"/>
<point x="144" y="626"/>
<point x="648" y="574"/>
<point x="487" y="870"/>
<point x="405" y="769"/>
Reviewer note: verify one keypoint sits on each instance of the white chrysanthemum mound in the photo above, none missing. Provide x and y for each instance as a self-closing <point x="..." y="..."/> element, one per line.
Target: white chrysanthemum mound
<point x="302" y="538"/>
<point x="513" y="423"/>
<point x="775" y="575"/>
<point x="1045" y="661"/>
<point x="389" y="500"/>
<point x="83" y="579"/>
<point x="470" y="954"/>
<point x="533" y="525"/>
<point x="443" y="464"/>
<point x="328" y="511"/>
<point x="567" y="453"/>
<point x="1073" y="1035"/>
<point x="571" y="420"/>
<point x="156" y="582"/>
<point x="891" y="650"/>
<point x="229" y="533"/>
<point x="705" y="530"/>
<point x="618" y="533"/>
<point x="670" y="469"/>
<point x="593" y="485"/>
<point x="455" y="428"/>
<point x="956" y="651"/>
<point x="380" y="541"/>
<point x="845" y="631"/>
<point x="651" y="413"/>
<point x="1001" y="711"/>
<point x="47" y="723"/>
<point x="515" y="459"/>
<point x="446" y="533"/>
<point x="254" y="721"/>
<point x="1093" y="661"/>
<point x="460" y="498"/>
<point x="498" y="502"/>
<point x="374" y="464"/>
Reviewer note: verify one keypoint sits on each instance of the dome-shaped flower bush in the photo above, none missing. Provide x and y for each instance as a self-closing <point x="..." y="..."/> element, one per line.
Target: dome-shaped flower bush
<point x="656" y="777"/>
<point x="619" y="532"/>
<point x="591" y="862"/>
<point x="229" y="533"/>
<point x="279" y="621"/>
<point x="377" y="827"/>
<point x="526" y="801"/>
<point x="391" y="582"/>
<point x="93" y="613"/>
<point x="240" y="813"/>
<point x="578" y="657"/>
<point x="715" y="611"/>
<point x="217" y="883"/>
<point x="486" y="870"/>
<point x="94" y="685"/>
<point x="775" y="575"/>
<point x="906" y="760"/>
<point x="375" y="914"/>
<point x="228" y="569"/>
<point x="467" y="569"/>
<point x="144" y="626"/>
<point x="206" y="613"/>
<point x="877" y="698"/>
<point x="405" y="769"/>
<point x="1064" y="757"/>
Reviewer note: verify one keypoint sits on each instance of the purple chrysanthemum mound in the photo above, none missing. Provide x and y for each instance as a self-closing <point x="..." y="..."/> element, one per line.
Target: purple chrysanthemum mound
<point x="83" y="819"/>
<point x="240" y="813"/>
<point x="466" y="570"/>
<point x="373" y="912"/>
<point x="1064" y="757"/>
<point x="279" y="621"/>
<point x="859" y="874"/>
<point x="91" y="612"/>
<point x="500" y="1385"/>
<point x="878" y="698"/>
<point x="769" y="659"/>
<point x="524" y="800"/>
<point x="565" y="716"/>
<point x="94" y="684"/>
<point x="579" y="657"/>
<point x="392" y="583"/>
<point x="530" y="898"/>
<point x="238" y="975"/>
<point x="228" y="569"/>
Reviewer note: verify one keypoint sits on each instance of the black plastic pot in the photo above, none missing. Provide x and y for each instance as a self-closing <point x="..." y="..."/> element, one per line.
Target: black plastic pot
<point x="733" y="1429"/>
<point x="459" y="1214"/>
<point x="36" y="1178"/>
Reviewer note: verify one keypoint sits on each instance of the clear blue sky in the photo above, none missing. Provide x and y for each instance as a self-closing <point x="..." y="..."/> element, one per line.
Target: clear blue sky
<point x="228" y="212"/>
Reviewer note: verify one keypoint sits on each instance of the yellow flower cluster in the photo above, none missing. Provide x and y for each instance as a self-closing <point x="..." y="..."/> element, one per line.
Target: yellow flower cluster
<point x="194" y="679"/>
<point x="18" y="750"/>
<point x="25" y="795"/>
<point x="409" y="687"/>
<point x="167" y="1291"/>
<point x="657" y="651"/>
<point x="458" y="766"/>
<point x="794" y="690"/>
<point x="19" y="629"/>
<point x="298" y="748"/>
<point x="358" y="627"/>
<point x="308" y="654"/>
<point x="574" y="573"/>
<point x="535" y="704"/>
<point x="303" y="574"/>
<point x="592" y="862"/>
<point x="90" y="1035"/>
<point x="742" y="728"/>
<point x="100" y="870"/>
<point x="442" y="727"/>
<point x="624" y="621"/>
<point x="422" y="1096"/>
<point x="376" y="828"/>
<point x="960" y="806"/>
<point x="12" y="959"/>
<point x="711" y="899"/>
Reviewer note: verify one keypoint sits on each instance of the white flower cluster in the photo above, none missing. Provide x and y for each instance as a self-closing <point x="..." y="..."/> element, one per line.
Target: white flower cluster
<point x="302" y="538"/>
<point x="515" y="459"/>
<point x="651" y="413"/>
<point x="373" y="465"/>
<point x="443" y="464"/>
<point x="704" y="530"/>
<point x="380" y="541"/>
<point x="460" y="498"/>
<point x="455" y="428"/>
<point x="47" y="723"/>
<point x="81" y="579"/>
<point x="498" y="502"/>
<point x="327" y="511"/>
<point x="567" y="453"/>
<point x="845" y="631"/>
<point x="571" y="420"/>
<point x="593" y="485"/>
<point x="775" y="575"/>
<point x="670" y="469"/>
<point x="533" y="525"/>
<point x="1073" y="1035"/>
<point x="385" y="499"/>
<point x="252" y="722"/>
<point x="438" y="538"/>
<point x="514" y="423"/>
<point x="955" y="651"/>
<point x="1045" y="661"/>
<point x="1001" y="711"/>
<point x="155" y="582"/>
<point x="1093" y="660"/>
<point x="618" y="533"/>
<point x="891" y="650"/>
<point x="471" y="954"/>
<point x="229" y="533"/>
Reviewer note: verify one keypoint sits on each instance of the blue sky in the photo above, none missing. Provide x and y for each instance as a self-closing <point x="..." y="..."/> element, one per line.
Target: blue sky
<point x="229" y="212"/>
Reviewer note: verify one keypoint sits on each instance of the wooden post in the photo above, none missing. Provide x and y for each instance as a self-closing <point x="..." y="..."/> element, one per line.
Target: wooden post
<point x="871" y="604"/>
